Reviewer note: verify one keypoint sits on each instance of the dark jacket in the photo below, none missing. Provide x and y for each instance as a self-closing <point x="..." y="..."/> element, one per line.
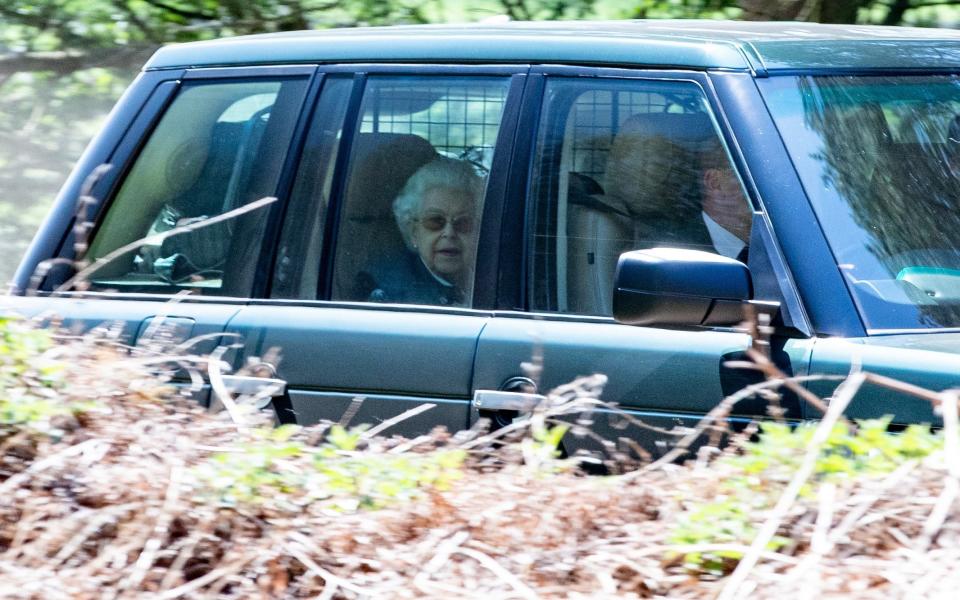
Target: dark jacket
<point x="406" y="280"/>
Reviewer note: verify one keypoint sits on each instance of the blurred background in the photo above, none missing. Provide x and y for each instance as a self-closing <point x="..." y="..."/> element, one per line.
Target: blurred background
<point x="63" y="63"/>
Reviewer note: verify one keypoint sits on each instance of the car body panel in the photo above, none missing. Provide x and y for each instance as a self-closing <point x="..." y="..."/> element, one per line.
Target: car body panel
<point x="645" y="366"/>
<point x="946" y="342"/>
<point x="476" y="44"/>
<point x="894" y="52"/>
<point x="931" y="361"/>
<point x="757" y="47"/>
<point x="177" y="329"/>
<point x="664" y="378"/>
<point x="329" y="354"/>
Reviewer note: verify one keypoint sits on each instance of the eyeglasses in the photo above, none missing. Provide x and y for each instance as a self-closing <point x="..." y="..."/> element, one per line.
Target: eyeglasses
<point x="437" y="222"/>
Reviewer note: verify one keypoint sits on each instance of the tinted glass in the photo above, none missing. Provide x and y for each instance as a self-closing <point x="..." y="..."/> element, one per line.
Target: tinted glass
<point x="414" y="196"/>
<point x="218" y="148"/>
<point x="297" y="271"/>
<point x="625" y="165"/>
<point x="879" y="158"/>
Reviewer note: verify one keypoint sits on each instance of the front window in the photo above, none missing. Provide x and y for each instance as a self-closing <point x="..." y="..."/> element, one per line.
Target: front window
<point x="879" y="158"/>
<point x="219" y="147"/>
<point x="625" y="164"/>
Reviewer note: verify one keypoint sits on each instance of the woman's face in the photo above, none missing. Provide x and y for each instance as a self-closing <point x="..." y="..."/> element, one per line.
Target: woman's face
<point x="444" y="233"/>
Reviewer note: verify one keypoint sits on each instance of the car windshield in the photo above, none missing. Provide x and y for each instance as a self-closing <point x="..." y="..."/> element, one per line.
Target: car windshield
<point x="879" y="158"/>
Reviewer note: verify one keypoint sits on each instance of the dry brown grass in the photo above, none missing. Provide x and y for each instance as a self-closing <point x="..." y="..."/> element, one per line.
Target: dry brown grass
<point x="111" y="502"/>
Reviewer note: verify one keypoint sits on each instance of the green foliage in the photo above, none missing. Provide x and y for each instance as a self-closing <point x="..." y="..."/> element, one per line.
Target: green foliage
<point x="871" y="450"/>
<point x="29" y="381"/>
<point x="279" y="469"/>
<point x="754" y="479"/>
<point x="729" y="520"/>
<point x="543" y="445"/>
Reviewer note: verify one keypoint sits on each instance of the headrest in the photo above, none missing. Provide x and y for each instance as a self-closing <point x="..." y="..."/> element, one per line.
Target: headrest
<point x="653" y="167"/>
<point x="382" y="164"/>
<point x="688" y="130"/>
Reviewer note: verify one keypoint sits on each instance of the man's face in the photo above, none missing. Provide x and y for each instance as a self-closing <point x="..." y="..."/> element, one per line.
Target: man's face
<point x="724" y="202"/>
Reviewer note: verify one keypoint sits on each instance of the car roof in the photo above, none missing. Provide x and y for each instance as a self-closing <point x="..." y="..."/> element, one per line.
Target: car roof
<point x="758" y="47"/>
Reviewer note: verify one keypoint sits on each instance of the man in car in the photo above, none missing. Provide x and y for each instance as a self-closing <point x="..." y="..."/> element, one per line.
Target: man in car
<point x="725" y="211"/>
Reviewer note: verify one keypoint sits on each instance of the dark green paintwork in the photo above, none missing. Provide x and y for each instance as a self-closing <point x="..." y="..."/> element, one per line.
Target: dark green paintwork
<point x="731" y="45"/>
<point x="931" y="361"/>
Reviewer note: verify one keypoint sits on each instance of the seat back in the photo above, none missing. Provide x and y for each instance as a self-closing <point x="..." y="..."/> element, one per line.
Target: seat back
<point x="651" y="187"/>
<point x="653" y="167"/>
<point x="382" y="164"/>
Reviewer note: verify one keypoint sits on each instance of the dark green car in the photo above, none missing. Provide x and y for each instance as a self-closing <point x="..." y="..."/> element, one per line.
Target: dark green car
<point x="447" y="201"/>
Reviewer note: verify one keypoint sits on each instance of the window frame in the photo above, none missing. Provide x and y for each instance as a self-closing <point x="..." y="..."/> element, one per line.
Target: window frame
<point x="125" y="152"/>
<point x="487" y="267"/>
<point x="516" y="256"/>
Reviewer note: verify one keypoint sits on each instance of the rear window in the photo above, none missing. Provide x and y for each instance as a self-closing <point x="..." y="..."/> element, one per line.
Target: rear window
<point x="625" y="165"/>
<point x="416" y="181"/>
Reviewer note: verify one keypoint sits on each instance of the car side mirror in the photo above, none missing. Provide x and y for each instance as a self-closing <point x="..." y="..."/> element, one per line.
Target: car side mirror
<point x="680" y="287"/>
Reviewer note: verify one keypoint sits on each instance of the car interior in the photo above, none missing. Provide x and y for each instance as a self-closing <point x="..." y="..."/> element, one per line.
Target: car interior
<point x="628" y="172"/>
<point x="214" y="151"/>
<point x="405" y="123"/>
<point x="382" y="164"/>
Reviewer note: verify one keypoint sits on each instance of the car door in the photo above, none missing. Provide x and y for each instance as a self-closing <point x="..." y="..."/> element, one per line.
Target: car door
<point x="357" y="308"/>
<point x="623" y="160"/>
<point x="202" y="143"/>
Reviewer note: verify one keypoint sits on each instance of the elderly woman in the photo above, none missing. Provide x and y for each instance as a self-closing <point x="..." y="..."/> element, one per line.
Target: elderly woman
<point x="437" y="213"/>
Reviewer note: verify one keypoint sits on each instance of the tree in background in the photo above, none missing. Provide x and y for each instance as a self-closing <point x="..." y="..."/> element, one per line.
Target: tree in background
<point x="63" y="63"/>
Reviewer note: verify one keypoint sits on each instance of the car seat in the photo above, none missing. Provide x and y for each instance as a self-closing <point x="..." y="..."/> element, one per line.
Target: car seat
<point x="382" y="164"/>
<point x="651" y="199"/>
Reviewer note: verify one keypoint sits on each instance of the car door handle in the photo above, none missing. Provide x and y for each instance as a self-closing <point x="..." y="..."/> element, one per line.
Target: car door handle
<point x="168" y="330"/>
<point x="247" y="385"/>
<point x="500" y="400"/>
<point x="279" y="398"/>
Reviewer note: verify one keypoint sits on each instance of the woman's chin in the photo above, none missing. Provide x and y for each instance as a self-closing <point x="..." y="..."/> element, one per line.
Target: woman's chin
<point x="448" y="269"/>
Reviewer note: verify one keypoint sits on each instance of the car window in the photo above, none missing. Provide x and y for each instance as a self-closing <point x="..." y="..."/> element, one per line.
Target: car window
<point x="414" y="193"/>
<point x="219" y="147"/>
<point x="624" y="165"/>
<point x="879" y="158"/>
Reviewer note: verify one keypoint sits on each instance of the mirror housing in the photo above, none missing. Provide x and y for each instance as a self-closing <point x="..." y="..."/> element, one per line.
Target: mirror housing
<point x="680" y="287"/>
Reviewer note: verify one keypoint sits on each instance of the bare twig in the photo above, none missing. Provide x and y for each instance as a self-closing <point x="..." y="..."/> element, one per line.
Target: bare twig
<point x="844" y="395"/>
<point x="158" y="238"/>
<point x="146" y="558"/>
<point x="51" y="461"/>
<point x="219" y="388"/>
<point x="518" y="586"/>
<point x="207" y="579"/>
<point x="951" y="483"/>
<point x="717" y="415"/>
<point x="416" y="410"/>
<point x="904" y="387"/>
<point x="328" y="577"/>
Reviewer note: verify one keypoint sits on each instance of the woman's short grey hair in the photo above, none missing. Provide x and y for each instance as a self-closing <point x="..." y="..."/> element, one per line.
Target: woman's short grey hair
<point x="439" y="172"/>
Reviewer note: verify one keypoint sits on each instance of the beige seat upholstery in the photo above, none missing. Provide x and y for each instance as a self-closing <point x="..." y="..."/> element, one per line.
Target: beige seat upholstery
<point x="382" y="164"/>
<point x="653" y="168"/>
<point x="597" y="233"/>
<point x="652" y="188"/>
